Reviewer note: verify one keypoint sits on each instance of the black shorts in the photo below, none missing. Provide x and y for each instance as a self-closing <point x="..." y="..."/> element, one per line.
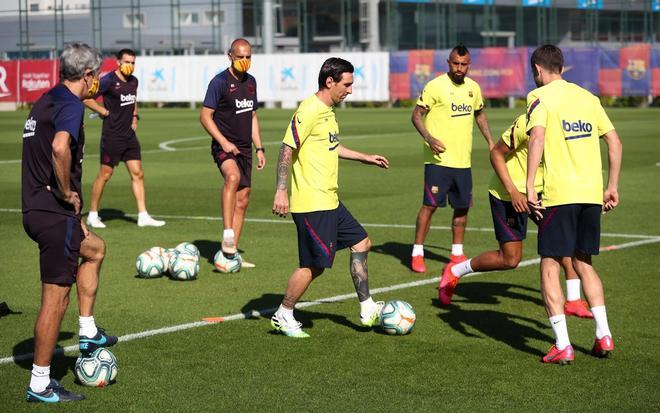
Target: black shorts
<point x="441" y="182"/>
<point x="322" y="233"/>
<point x="509" y="225"/>
<point x="115" y="150"/>
<point x="243" y="161"/>
<point x="59" y="237"/>
<point x="566" y="230"/>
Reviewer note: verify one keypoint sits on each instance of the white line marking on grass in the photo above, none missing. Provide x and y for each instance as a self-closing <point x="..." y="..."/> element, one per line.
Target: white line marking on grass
<point x="405" y="226"/>
<point x="305" y="304"/>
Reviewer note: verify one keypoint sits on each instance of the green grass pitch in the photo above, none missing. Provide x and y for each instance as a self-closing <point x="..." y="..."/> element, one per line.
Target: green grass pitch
<point x="481" y="354"/>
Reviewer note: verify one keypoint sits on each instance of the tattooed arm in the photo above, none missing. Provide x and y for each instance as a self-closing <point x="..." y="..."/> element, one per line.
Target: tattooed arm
<point x="281" y="201"/>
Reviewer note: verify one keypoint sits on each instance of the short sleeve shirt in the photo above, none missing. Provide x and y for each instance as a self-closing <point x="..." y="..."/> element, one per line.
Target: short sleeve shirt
<point x="58" y="110"/>
<point x="574" y="120"/>
<point x="233" y="102"/>
<point x="313" y="133"/>
<point x="450" y="119"/>
<point x="120" y="98"/>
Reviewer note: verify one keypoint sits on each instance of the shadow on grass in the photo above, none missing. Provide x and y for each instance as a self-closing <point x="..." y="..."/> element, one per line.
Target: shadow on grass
<point x="60" y="364"/>
<point x="401" y="251"/>
<point x="265" y="306"/>
<point x="110" y="214"/>
<point x="491" y="292"/>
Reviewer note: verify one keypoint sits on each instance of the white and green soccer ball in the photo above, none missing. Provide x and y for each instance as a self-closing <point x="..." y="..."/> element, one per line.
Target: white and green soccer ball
<point x="184" y="266"/>
<point x="149" y="264"/>
<point x="97" y="369"/>
<point x="227" y="264"/>
<point x="188" y="248"/>
<point x="397" y="317"/>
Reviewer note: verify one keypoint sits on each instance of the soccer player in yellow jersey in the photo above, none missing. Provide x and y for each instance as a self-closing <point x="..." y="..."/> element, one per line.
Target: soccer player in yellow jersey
<point x="444" y="117"/>
<point x="509" y="209"/>
<point x="564" y="123"/>
<point x="324" y="225"/>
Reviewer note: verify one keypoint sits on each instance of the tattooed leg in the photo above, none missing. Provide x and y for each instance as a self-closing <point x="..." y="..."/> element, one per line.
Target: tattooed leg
<point x="360" y="274"/>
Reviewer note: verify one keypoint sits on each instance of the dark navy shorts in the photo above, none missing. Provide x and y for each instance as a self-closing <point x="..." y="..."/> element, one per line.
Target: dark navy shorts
<point x="59" y="237"/>
<point x="115" y="150"/>
<point x="509" y="225"/>
<point x="243" y="161"/>
<point x="322" y="233"/>
<point x="566" y="230"/>
<point x="441" y="182"/>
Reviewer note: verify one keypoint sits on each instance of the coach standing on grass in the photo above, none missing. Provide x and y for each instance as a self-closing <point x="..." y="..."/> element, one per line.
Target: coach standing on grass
<point x="229" y="115"/>
<point x="118" y="139"/>
<point x="53" y="142"/>
<point x="565" y="124"/>
<point x="444" y="117"/>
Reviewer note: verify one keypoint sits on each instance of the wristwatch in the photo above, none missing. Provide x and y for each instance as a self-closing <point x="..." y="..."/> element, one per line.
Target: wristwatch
<point x="136" y="116"/>
<point x="262" y="149"/>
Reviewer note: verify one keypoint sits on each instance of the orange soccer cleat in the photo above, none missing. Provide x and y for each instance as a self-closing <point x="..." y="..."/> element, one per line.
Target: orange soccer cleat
<point x="447" y="285"/>
<point x="578" y="308"/>
<point x="557" y="356"/>
<point x="418" y="263"/>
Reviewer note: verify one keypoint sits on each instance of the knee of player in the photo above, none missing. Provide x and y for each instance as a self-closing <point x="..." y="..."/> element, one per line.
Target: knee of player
<point x="137" y="175"/>
<point x="362" y="246"/>
<point x="511" y="261"/>
<point x="106" y="175"/>
<point x="232" y="179"/>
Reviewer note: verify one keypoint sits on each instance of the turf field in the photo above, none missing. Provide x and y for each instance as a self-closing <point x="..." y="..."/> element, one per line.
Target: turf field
<point x="481" y="354"/>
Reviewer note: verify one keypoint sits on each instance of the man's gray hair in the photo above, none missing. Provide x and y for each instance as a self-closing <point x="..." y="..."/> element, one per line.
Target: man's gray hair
<point x="78" y="58"/>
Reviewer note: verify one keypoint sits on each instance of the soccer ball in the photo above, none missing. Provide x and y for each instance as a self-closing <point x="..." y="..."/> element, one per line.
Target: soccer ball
<point x="149" y="264"/>
<point x="184" y="266"/>
<point x="97" y="369"/>
<point x="227" y="264"/>
<point x="397" y="317"/>
<point x="188" y="248"/>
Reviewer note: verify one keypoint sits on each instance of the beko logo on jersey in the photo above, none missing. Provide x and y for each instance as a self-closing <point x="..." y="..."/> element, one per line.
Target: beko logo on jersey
<point x="462" y="109"/>
<point x="244" y="105"/>
<point x="127" y="99"/>
<point x="333" y="138"/>
<point x="583" y="129"/>
<point x="30" y="127"/>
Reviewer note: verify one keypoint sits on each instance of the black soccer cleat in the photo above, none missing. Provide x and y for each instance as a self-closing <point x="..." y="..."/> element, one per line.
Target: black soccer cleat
<point x="88" y="345"/>
<point x="54" y="393"/>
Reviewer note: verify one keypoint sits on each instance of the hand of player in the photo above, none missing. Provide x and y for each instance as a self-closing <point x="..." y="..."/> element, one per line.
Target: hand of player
<point x="281" y="203"/>
<point x="105" y="114"/>
<point x="230" y="148"/>
<point x="378" y="161"/>
<point x="610" y="199"/>
<point x="85" y="230"/>
<point x="519" y="202"/>
<point x="70" y="197"/>
<point x="261" y="160"/>
<point x="534" y="204"/>
<point x="436" y="145"/>
<point x="134" y="124"/>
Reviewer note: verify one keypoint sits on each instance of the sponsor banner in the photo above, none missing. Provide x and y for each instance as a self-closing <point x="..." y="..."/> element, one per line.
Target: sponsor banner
<point x="499" y="71"/>
<point x="478" y="2"/>
<point x="537" y="3"/>
<point x="655" y="5"/>
<point x="9" y="81"/>
<point x="635" y="63"/>
<point x="36" y="77"/>
<point x="163" y="79"/>
<point x="655" y="72"/>
<point x="590" y="4"/>
<point x="581" y="66"/>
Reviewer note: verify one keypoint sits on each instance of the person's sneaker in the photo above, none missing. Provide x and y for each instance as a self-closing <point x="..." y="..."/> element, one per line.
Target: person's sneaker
<point x="557" y="356"/>
<point x="148" y="221"/>
<point x="578" y="308"/>
<point x="95" y="222"/>
<point x="602" y="347"/>
<point x="88" y="345"/>
<point x="447" y="285"/>
<point x="290" y="328"/>
<point x="228" y="246"/>
<point x="373" y="319"/>
<point x="418" y="264"/>
<point x="54" y="393"/>
<point x="455" y="259"/>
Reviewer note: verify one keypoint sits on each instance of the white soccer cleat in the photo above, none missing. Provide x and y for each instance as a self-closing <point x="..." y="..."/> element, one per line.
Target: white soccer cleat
<point x="149" y="222"/>
<point x="373" y="319"/>
<point x="95" y="222"/>
<point x="290" y="328"/>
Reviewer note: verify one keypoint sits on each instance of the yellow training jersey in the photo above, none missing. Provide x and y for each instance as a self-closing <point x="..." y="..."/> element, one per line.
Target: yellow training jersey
<point x="574" y="120"/>
<point x="313" y="133"/>
<point x="515" y="137"/>
<point x="450" y="119"/>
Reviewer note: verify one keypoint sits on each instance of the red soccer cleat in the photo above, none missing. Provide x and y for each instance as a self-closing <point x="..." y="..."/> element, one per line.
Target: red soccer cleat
<point x="447" y="285"/>
<point x="557" y="356"/>
<point x="418" y="263"/>
<point x="578" y="308"/>
<point x="457" y="258"/>
<point x="602" y="347"/>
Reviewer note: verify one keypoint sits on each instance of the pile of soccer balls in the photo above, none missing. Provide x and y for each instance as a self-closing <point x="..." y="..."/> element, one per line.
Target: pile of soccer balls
<point x="180" y="262"/>
<point x="97" y="369"/>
